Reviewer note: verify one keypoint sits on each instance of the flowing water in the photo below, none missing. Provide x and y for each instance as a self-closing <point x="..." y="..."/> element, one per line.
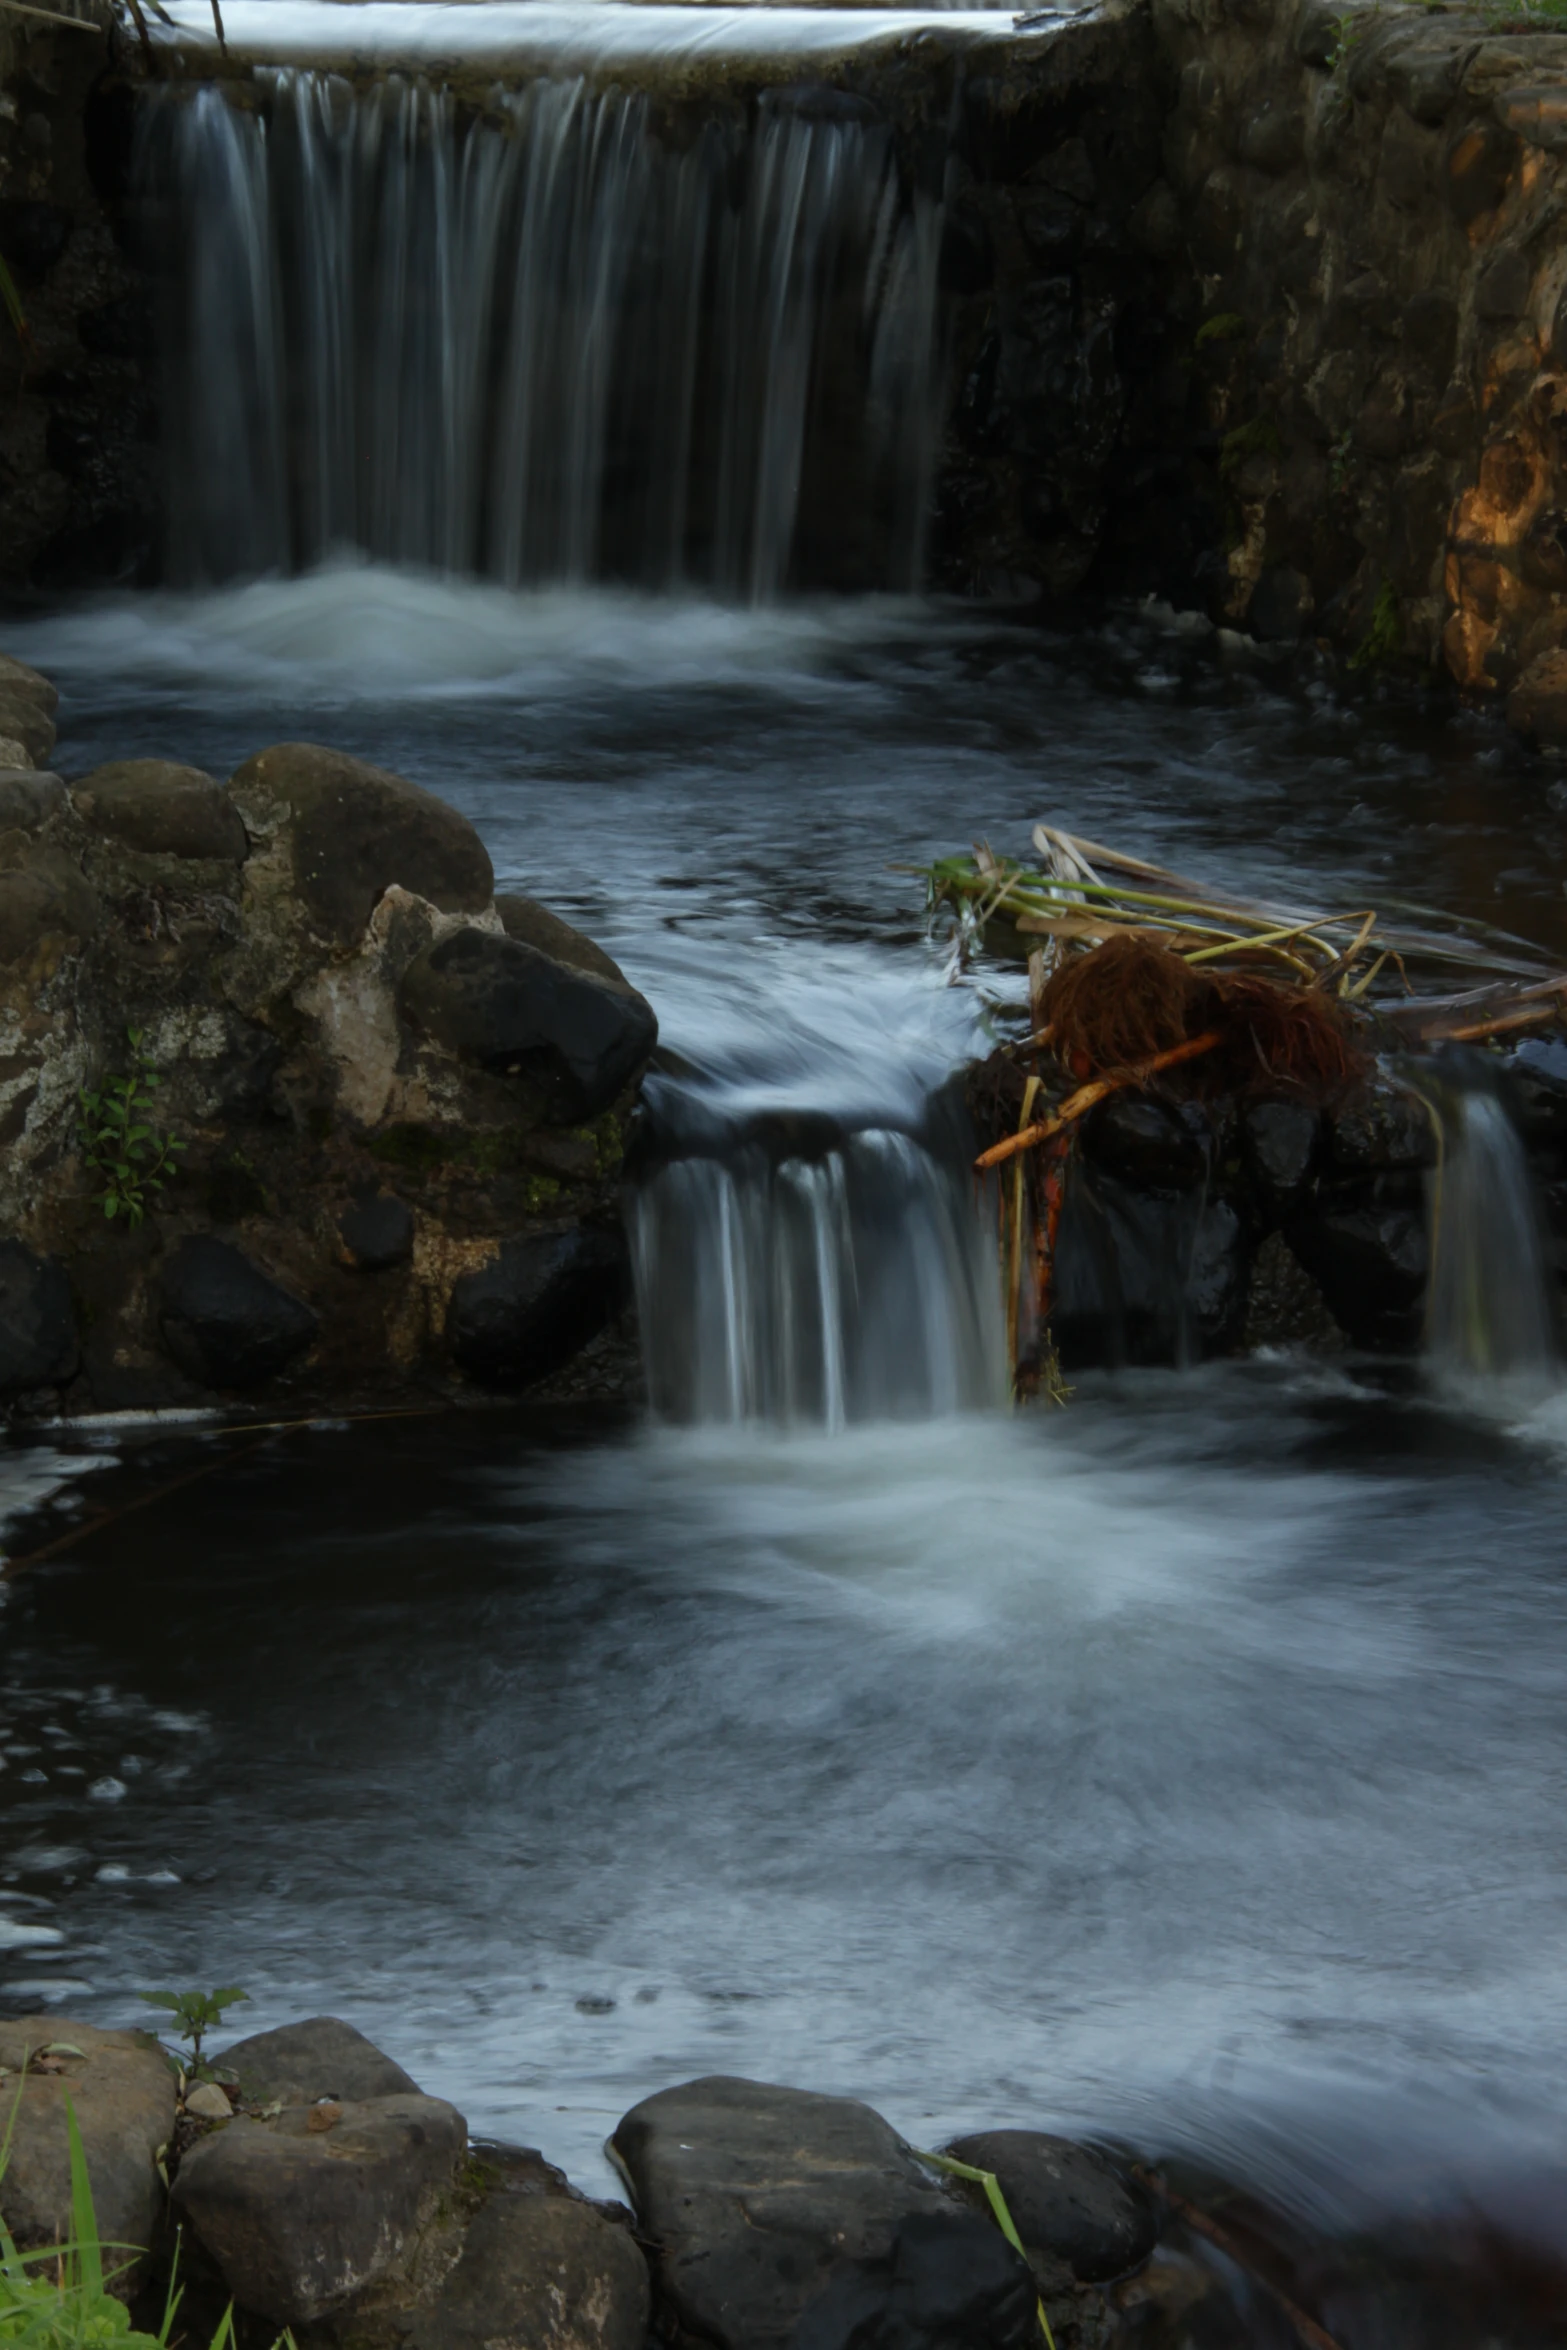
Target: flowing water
<point x="1184" y="1765"/>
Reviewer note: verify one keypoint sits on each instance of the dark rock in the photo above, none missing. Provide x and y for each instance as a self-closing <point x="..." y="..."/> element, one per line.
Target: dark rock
<point x="1377" y="1126"/>
<point x="356" y="830"/>
<point x="1066" y="2201"/>
<point x="223" y="1321"/>
<point x="543" y="1298"/>
<point x="122" y="2094"/>
<point x="28" y="798"/>
<point x="1542" y="559"/>
<point x="539" y="2270"/>
<point x="1284" y="1306"/>
<point x="162" y="810"/>
<point x="1504" y="286"/>
<point x="1143" y="1276"/>
<point x="300" y="2219"/>
<point x="1478" y="165"/>
<point x="1537" y="705"/>
<point x="1281" y="606"/>
<point x="533" y="925"/>
<point x="33" y="236"/>
<point x="1431" y="331"/>
<point x="300" y="2064"/>
<point x="1317" y="34"/>
<point x="756" y="2195"/>
<point x="377" y="1233"/>
<point x="1145" y="1141"/>
<point x="1537" y="1082"/>
<point x="947" y="2283"/>
<point x="1280" y="1139"/>
<point x="576" y="1040"/>
<point x="1272" y="139"/>
<point x="43" y="897"/>
<point x="38" y="1341"/>
<point x="24" y="720"/>
<point x="1370" y="1264"/>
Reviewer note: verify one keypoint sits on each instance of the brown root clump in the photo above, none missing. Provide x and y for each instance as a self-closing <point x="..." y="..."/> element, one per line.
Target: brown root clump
<point x="1132" y="998"/>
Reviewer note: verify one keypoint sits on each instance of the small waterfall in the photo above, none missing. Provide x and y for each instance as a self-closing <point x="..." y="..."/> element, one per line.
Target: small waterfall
<point x="1488" y="1308"/>
<point x="855" y="1285"/>
<point x="552" y="340"/>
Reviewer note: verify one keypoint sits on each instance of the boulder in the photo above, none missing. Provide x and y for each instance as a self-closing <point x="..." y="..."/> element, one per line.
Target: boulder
<point x="533" y="925"/>
<point x="122" y="2093"/>
<point x="787" y="2219"/>
<point x="540" y="1299"/>
<point x="299" y="2064"/>
<point x="24" y="720"/>
<point x="1370" y="1264"/>
<point x="303" y="2212"/>
<point x="1066" y="2201"/>
<point x="28" y="685"/>
<point x="1280" y="1141"/>
<point x="42" y="896"/>
<point x="1377" y="1126"/>
<point x="28" y="799"/>
<point x="539" y="2270"/>
<point x="377" y="1233"/>
<point x="575" y="1039"/>
<point x="1148" y="1142"/>
<point x="38" y="1341"/>
<point x="224" y="1321"/>
<point x="162" y="809"/>
<point x="353" y="830"/>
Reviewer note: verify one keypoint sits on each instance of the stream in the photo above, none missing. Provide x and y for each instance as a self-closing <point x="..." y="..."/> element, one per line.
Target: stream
<point x="1183" y="1767"/>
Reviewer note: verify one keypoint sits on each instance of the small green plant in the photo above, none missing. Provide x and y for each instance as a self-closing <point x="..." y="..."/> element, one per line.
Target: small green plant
<point x="119" y="1143"/>
<point x="1225" y="326"/>
<point x="1349" y="30"/>
<point x="1384" y="637"/>
<point x="195" y="2013"/>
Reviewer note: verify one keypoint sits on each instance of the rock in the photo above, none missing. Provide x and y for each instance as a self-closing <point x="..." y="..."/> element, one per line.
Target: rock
<point x="539" y="2270"/>
<point x="576" y="1040"/>
<point x="533" y="925"/>
<point x="354" y="830"/>
<point x="209" y="2103"/>
<point x="952" y="2283"/>
<point x="42" y="897"/>
<point x="1377" y="1126"/>
<point x="38" y="1341"/>
<point x="299" y="2220"/>
<point x="1537" y="705"/>
<point x="766" y="2201"/>
<point x="377" y="1233"/>
<point x="299" y="2064"/>
<point x="24" y="720"/>
<point x="1370" y="1264"/>
<point x="224" y="1321"/>
<point x="542" y="1298"/>
<point x="1147" y="1142"/>
<point x="1143" y="1276"/>
<point x="1284" y="1306"/>
<point x="162" y="810"/>
<point x="1066" y="2201"/>
<point x="28" y="799"/>
<point x="1280" y="1141"/>
<point x="17" y="680"/>
<point x="1281" y="606"/>
<point x="122" y="2092"/>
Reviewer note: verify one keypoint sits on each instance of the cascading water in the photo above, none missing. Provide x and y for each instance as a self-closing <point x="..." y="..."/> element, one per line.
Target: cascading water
<point x="545" y="341"/>
<point x="1488" y="1308"/>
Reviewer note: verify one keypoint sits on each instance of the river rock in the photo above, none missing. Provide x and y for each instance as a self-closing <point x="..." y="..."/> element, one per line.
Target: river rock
<point x="28" y="798"/>
<point x="300" y="2064"/>
<point x="224" y="1321"/>
<point x="122" y="2092"/>
<point x="17" y="680"/>
<point x="785" y="2218"/>
<point x="540" y="1299"/>
<point x="24" y="720"/>
<point x="377" y="1233"/>
<point x="1379" y="1126"/>
<point x="533" y="925"/>
<point x="300" y="2218"/>
<point x="1370" y="1264"/>
<point x="354" y="830"/>
<point x="540" y="2269"/>
<point x="575" y="1039"/>
<point x="43" y="899"/>
<point x="38" y="1341"/>
<point x="1280" y="1139"/>
<point x="162" y="809"/>
<point x="1148" y="1142"/>
<point x="1066" y="2201"/>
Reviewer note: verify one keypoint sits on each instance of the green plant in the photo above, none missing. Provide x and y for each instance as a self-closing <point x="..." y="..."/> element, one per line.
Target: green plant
<point x="72" y="2307"/>
<point x="1226" y="326"/>
<point x="118" y="1142"/>
<point x="1259" y="438"/>
<point x="195" y="2014"/>
<point x="1384" y="635"/>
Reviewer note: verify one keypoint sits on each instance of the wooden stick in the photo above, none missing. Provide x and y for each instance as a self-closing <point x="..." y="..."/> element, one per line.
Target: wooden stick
<point x="1530" y="1016"/>
<point x="1087" y="1095"/>
<point x="1308" y="2329"/>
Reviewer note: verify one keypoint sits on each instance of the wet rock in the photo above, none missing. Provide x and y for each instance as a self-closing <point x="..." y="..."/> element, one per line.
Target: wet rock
<point x="122" y="2093"/>
<point x="1280" y="1142"/>
<point x="542" y="1298"/>
<point x="1370" y="1264"/>
<point x="300" y="2064"/>
<point x="34" y="235"/>
<point x="377" y="1233"/>
<point x="1378" y="1126"/>
<point x="533" y="925"/>
<point x="28" y="798"/>
<point x="1537" y="705"/>
<point x="1284" y="1306"/>
<point x="1066" y="2201"/>
<point x="949" y="2283"/>
<point x="300" y="2219"/>
<point x="38" y="1341"/>
<point x="224" y="1321"/>
<point x="42" y="897"/>
<point x="763" y="2200"/>
<point x="1148" y="1142"/>
<point x="162" y="809"/>
<point x="354" y="830"/>
<point x="575" y="1040"/>
<point x="539" y="2270"/>
<point x="1281" y="606"/>
<point x="24" y="720"/>
<point x="1145" y="1277"/>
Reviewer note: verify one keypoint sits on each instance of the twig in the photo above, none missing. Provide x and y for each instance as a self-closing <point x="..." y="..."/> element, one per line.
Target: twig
<point x="1531" y="1016"/>
<point x="1087" y="1095"/>
<point x="1307" y="2327"/>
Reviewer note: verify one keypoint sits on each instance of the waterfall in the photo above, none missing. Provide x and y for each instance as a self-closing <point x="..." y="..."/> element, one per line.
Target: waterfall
<point x="855" y="1285"/>
<point x="568" y="336"/>
<point x="1488" y="1308"/>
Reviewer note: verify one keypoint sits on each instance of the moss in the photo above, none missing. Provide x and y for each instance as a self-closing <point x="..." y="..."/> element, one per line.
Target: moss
<point x="1384" y="637"/>
<point x="1225" y="326"/>
<point x="1259" y="438"/>
<point x="431" y="1150"/>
